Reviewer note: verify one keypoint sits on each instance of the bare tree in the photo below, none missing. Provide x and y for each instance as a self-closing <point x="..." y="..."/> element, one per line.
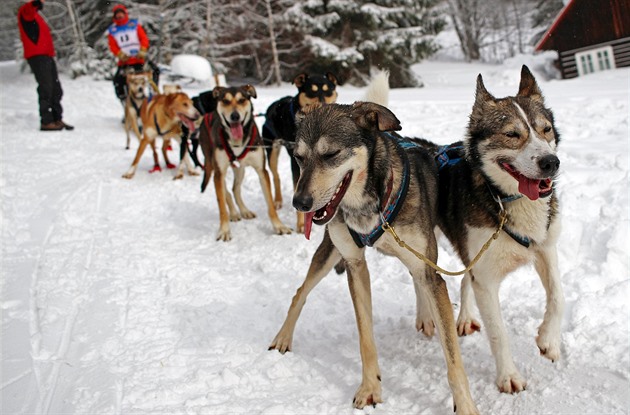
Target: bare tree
<point x="469" y="20"/>
<point x="272" y="40"/>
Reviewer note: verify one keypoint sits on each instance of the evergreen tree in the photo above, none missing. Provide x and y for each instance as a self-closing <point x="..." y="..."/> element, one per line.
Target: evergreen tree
<point x="350" y="37"/>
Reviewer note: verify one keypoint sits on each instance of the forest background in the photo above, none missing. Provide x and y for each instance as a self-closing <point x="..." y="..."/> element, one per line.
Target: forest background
<point x="269" y="41"/>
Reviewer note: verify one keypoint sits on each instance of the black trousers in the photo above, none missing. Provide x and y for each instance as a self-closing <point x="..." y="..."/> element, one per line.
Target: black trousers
<point x="49" y="88"/>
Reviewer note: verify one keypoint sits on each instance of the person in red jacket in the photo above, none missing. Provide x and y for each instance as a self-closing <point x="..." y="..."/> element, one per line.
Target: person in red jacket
<point x="129" y="43"/>
<point x="39" y="52"/>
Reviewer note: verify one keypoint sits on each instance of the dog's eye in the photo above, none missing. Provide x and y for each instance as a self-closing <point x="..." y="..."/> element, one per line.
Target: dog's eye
<point x="225" y="102"/>
<point x="512" y="134"/>
<point x="331" y="155"/>
<point x="546" y="129"/>
<point x="242" y="101"/>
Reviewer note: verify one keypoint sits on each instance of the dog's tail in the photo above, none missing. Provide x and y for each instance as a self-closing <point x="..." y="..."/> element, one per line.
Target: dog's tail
<point x="378" y="89"/>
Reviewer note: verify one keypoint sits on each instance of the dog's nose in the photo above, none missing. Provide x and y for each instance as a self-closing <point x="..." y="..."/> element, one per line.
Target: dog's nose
<point x="549" y="165"/>
<point x="303" y="203"/>
<point x="235" y="116"/>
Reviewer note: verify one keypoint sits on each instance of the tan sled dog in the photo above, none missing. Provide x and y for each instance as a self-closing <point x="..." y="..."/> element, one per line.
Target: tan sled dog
<point x="354" y="175"/>
<point x="229" y="138"/>
<point x="137" y="84"/>
<point x="163" y="117"/>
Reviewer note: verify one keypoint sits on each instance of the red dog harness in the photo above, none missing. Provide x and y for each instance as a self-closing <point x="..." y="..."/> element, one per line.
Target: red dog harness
<point x="234" y="160"/>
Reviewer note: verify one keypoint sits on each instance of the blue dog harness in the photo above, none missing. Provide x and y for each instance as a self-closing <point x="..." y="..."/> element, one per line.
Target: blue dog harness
<point x="390" y="211"/>
<point x="450" y="155"/>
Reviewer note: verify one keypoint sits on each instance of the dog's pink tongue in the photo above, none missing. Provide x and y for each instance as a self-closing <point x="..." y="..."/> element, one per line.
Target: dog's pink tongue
<point x="187" y="122"/>
<point x="237" y="131"/>
<point x="529" y="187"/>
<point x="308" y="224"/>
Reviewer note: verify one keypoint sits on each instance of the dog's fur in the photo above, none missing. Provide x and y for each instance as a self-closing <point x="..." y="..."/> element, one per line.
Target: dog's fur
<point x="233" y="120"/>
<point x="509" y="139"/>
<point x="163" y="115"/>
<point x="137" y="84"/>
<point x="280" y="124"/>
<point x="171" y="89"/>
<point x="346" y="161"/>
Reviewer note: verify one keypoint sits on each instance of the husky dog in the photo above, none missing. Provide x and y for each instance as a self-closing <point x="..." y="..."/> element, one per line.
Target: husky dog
<point x="506" y="164"/>
<point x="279" y="124"/>
<point x="229" y="138"/>
<point x="354" y="174"/>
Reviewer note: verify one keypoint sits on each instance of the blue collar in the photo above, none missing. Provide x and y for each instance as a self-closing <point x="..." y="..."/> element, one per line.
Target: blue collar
<point x="391" y="210"/>
<point x="520" y="239"/>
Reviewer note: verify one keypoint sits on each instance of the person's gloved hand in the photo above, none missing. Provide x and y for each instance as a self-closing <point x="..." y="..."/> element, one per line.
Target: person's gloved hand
<point x="122" y="56"/>
<point x="142" y="54"/>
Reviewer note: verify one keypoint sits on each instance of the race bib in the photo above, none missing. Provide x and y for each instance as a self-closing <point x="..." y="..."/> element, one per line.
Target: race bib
<point x="127" y="37"/>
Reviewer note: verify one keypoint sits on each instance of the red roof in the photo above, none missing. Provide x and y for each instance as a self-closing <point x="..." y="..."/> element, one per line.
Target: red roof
<point x="547" y="36"/>
<point x="584" y="23"/>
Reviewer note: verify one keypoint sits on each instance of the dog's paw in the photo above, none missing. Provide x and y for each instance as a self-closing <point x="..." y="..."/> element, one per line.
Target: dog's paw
<point x="235" y="217"/>
<point x="178" y="176"/>
<point x="282" y="229"/>
<point x="548" y="345"/>
<point x="193" y="173"/>
<point x="127" y="176"/>
<point x="247" y="214"/>
<point x="224" y="235"/>
<point x="281" y="343"/>
<point x="468" y="326"/>
<point x="369" y="393"/>
<point x="511" y="383"/>
<point x="425" y="326"/>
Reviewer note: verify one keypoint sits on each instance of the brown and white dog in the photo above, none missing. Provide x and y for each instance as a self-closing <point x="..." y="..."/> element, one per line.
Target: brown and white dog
<point x="137" y="84"/>
<point x="163" y="116"/>
<point x="229" y="138"/>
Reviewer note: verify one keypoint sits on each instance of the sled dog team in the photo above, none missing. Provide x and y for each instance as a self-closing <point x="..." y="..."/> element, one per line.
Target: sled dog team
<point x="491" y="195"/>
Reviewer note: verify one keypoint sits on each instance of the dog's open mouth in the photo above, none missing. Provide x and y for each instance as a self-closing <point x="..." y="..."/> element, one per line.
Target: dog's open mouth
<point x="323" y="215"/>
<point x="532" y="188"/>
<point x="236" y="131"/>
<point x="188" y="122"/>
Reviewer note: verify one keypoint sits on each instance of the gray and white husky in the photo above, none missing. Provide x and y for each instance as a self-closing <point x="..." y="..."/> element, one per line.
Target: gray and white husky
<point x="507" y="162"/>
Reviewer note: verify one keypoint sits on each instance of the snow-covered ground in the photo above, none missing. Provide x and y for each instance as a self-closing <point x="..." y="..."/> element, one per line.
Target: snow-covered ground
<point x="116" y="298"/>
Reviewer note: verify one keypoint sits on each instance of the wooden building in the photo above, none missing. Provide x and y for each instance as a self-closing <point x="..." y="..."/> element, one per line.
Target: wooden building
<point x="590" y="36"/>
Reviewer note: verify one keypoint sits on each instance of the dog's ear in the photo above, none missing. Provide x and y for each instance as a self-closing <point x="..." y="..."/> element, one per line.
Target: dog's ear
<point x="528" y="87"/>
<point x="249" y="91"/>
<point x="168" y="104"/>
<point x="481" y="94"/>
<point x="483" y="99"/>
<point x="217" y="92"/>
<point x="373" y="116"/>
<point x="300" y="80"/>
<point x="332" y="78"/>
<point x="307" y="109"/>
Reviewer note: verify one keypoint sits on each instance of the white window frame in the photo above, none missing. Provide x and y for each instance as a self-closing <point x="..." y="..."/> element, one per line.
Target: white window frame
<point x="595" y="60"/>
